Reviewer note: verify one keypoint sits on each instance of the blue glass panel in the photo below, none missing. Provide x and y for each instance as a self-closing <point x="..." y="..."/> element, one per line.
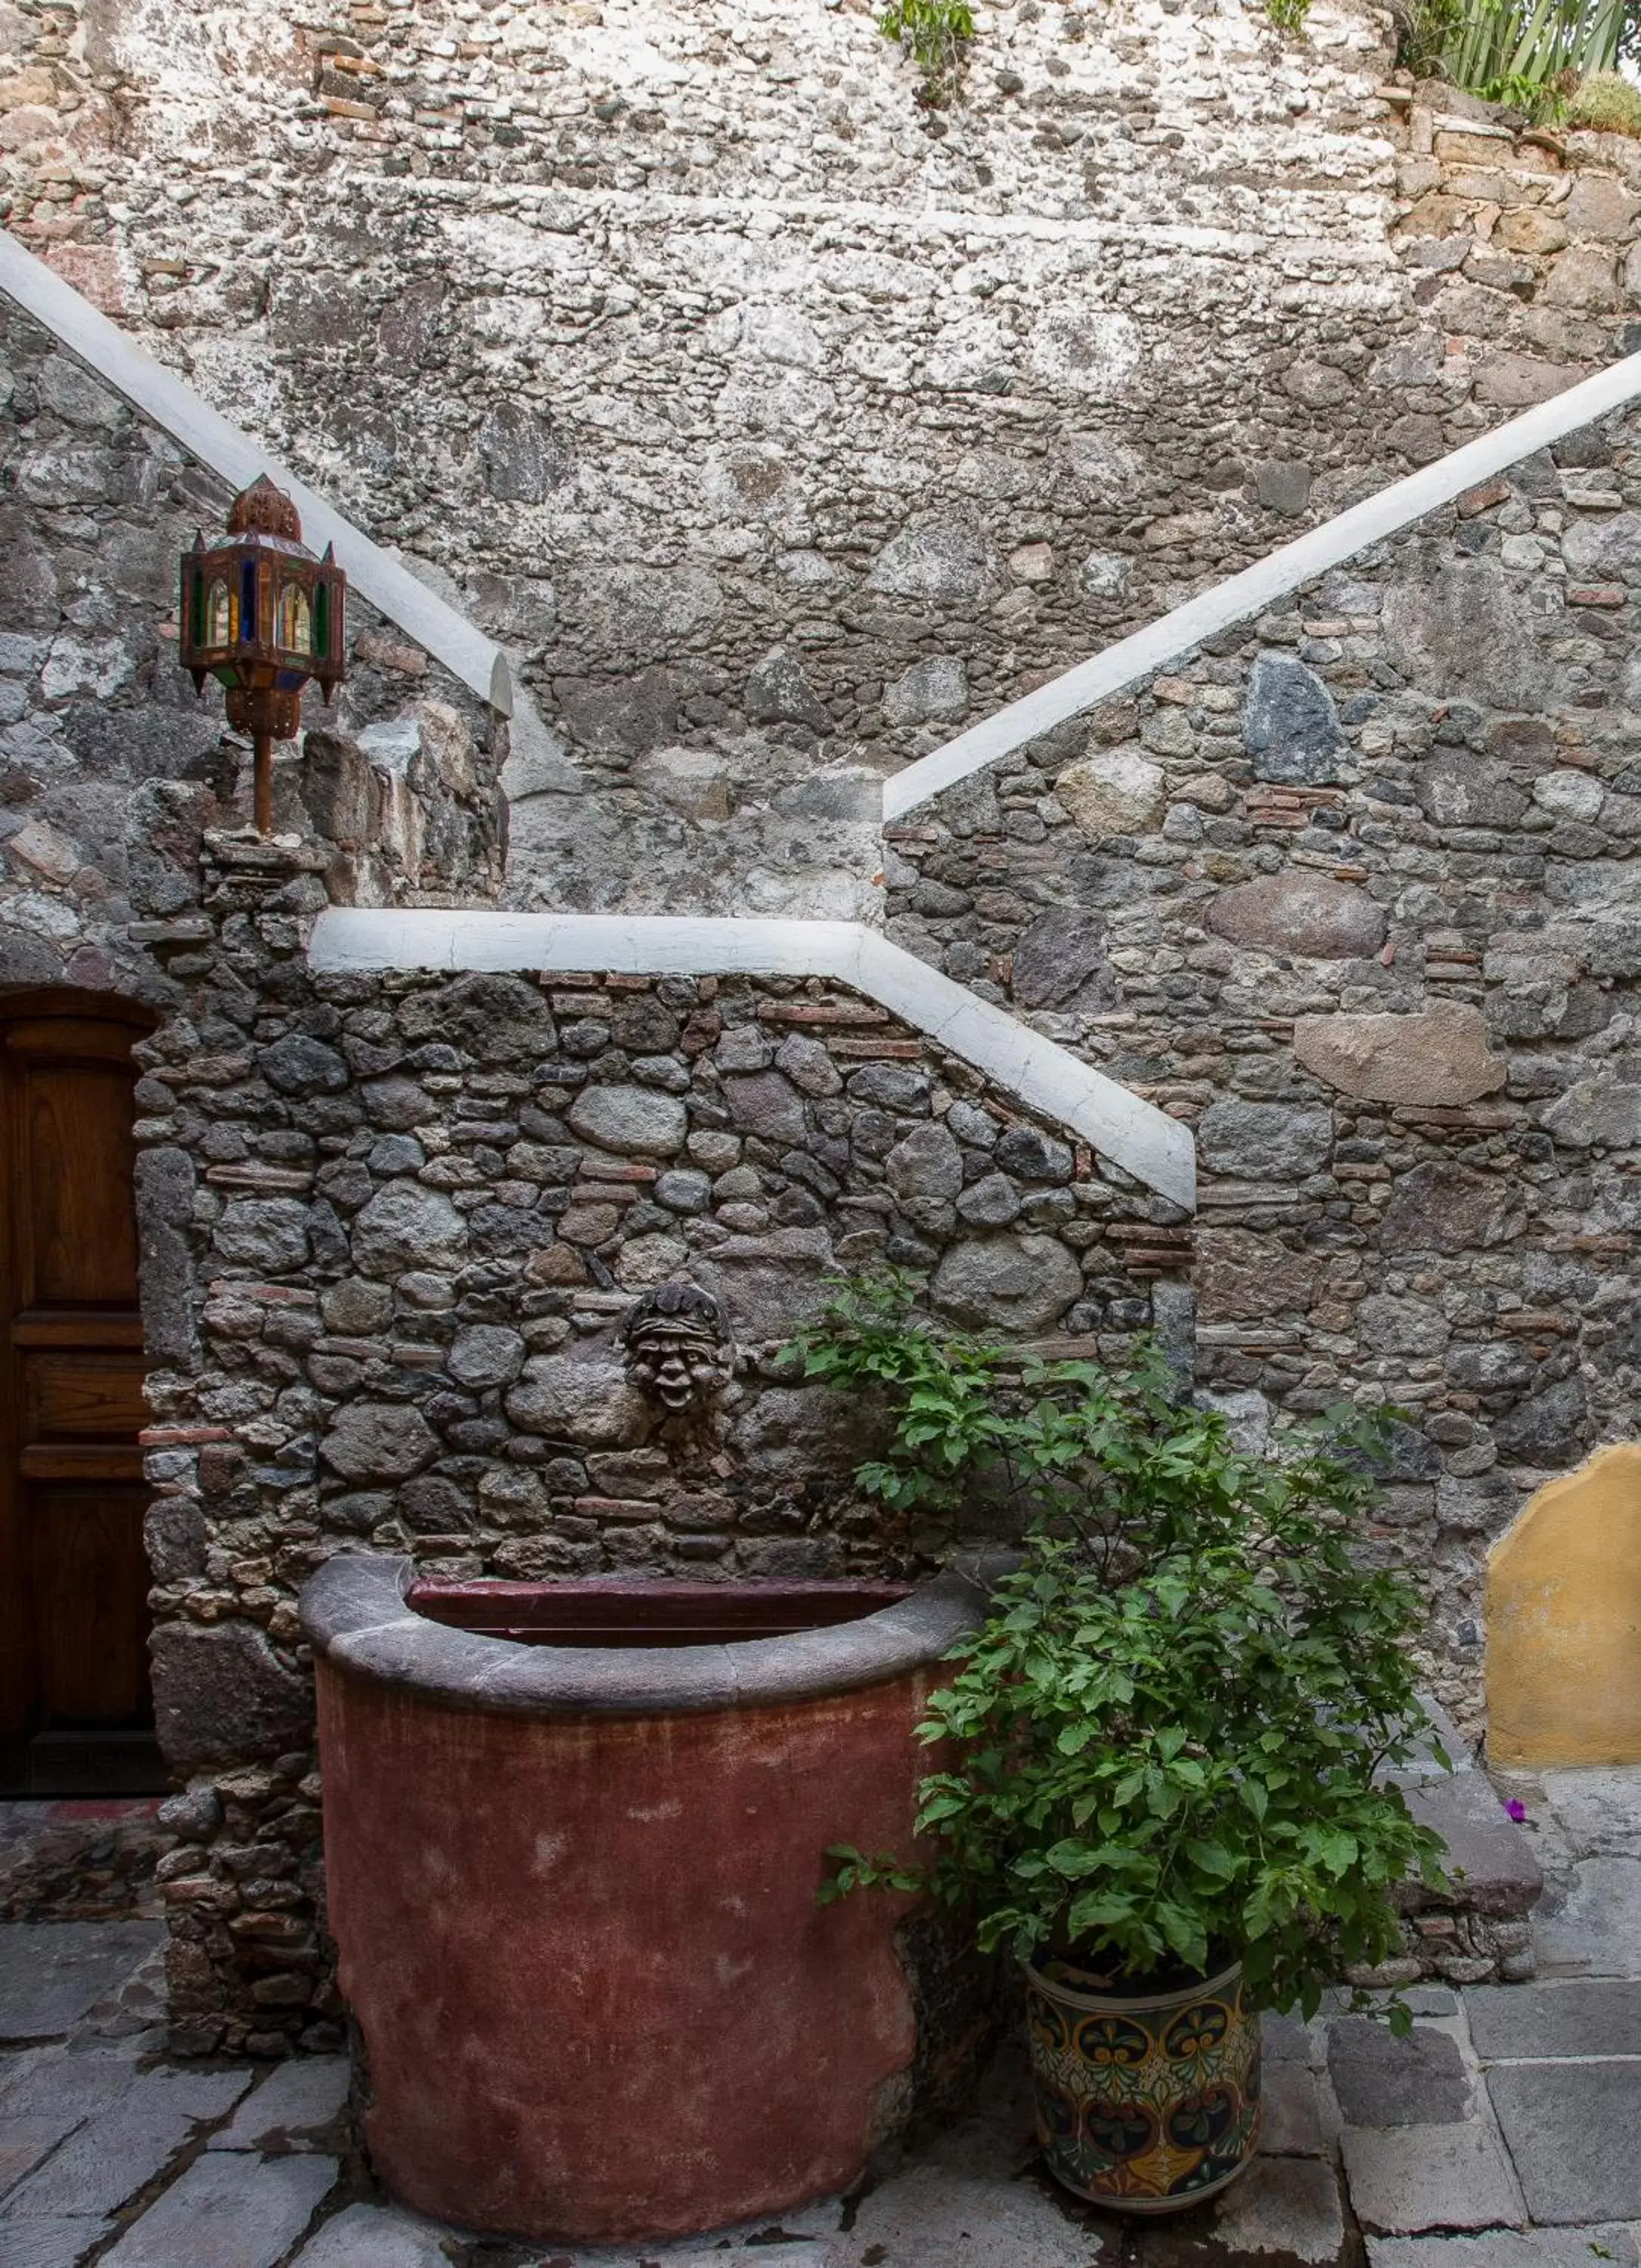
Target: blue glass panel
<point x="247" y="601"/>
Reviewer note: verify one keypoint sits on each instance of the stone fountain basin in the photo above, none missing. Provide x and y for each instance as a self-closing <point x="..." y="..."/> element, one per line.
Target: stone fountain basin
<point x="571" y="1886"/>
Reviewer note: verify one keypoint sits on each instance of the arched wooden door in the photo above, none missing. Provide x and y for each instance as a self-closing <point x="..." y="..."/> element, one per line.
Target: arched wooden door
<point x="76" y="1713"/>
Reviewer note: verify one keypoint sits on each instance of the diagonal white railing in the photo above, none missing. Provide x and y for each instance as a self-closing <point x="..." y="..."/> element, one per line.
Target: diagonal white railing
<point x="229" y="451"/>
<point x="1258" y="587"/>
<point x="1131" y="1132"/>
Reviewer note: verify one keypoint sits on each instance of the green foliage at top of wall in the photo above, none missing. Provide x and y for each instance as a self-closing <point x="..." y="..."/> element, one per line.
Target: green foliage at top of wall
<point x="936" y="34"/>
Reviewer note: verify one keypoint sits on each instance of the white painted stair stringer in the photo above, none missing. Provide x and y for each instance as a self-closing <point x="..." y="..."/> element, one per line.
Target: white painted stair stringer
<point x="1258" y="587"/>
<point x="1134" y="1134"/>
<point x="240" y="460"/>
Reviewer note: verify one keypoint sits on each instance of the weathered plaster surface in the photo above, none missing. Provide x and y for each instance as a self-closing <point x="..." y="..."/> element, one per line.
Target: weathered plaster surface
<point x="1563" y="1621"/>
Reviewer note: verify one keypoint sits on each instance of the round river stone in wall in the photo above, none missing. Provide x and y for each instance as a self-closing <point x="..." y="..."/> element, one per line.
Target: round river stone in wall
<point x="486" y="1354"/>
<point x="1264" y="1141"/>
<point x="1015" y="1283"/>
<point x="1062" y="957"/>
<point x="1441" y="1056"/>
<point x="575" y="1399"/>
<point x="1118" y="791"/>
<point x="1444" y="1208"/>
<point x="630" y="1118"/>
<point x="1302" y="913"/>
<point x="1290" y="724"/>
<point x="378" y="1440"/>
<point x="407" y="1226"/>
<point x="1601" y="1110"/>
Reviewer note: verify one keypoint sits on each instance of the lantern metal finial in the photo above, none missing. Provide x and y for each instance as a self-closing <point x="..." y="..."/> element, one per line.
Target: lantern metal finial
<point x="262" y="615"/>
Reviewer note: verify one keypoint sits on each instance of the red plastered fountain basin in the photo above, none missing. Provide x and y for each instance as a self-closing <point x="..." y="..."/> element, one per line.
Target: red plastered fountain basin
<point x="573" y="1834"/>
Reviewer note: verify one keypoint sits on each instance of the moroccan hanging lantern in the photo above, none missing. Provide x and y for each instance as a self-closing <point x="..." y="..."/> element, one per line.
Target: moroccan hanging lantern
<point x="262" y="615"/>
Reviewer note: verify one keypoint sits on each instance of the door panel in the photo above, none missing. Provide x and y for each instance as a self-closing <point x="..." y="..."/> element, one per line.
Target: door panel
<point x="76" y="1713"/>
<point x="82" y="1392"/>
<point x="79" y="1242"/>
<point x="89" y="1572"/>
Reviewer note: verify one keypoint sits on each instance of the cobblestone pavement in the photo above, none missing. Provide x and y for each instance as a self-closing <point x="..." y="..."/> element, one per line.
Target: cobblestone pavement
<point x="1504" y="2133"/>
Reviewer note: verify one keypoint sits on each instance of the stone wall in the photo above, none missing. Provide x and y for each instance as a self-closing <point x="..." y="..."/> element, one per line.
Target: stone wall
<point x="111" y="768"/>
<point x="1519" y="246"/>
<point x="1355" y="891"/>
<point x="778" y="423"/>
<point x="405" y="1217"/>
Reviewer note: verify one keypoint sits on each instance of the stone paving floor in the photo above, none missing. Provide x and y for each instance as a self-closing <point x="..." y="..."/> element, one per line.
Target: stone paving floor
<point x="1505" y="2134"/>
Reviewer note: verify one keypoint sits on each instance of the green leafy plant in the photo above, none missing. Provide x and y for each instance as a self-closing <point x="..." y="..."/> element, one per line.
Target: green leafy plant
<point x="1164" y="1750"/>
<point x="1541" y="103"/>
<point x="1288" y="15"/>
<point x="1425" y="30"/>
<point x="936" y="34"/>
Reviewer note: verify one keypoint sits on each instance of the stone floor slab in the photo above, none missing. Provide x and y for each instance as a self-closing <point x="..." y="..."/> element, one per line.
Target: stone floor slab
<point x="1509" y="2248"/>
<point x="1381" y="2081"/>
<point x="50" y="2243"/>
<point x="228" y="2211"/>
<point x="927" y="2216"/>
<point x="1596" y="1809"/>
<point x="1297" y="2118"/>
<point x="51" y="1973"/>
<point x="114" y="2154"/>
<point x="1572" y="2129"/>
<point x="299" y="2098"/>
<point x="1286" y="2039"/>
<point x="58" y="2090"/>
<point x="1580" y="2017"/>
<point x="19" y="2155"/>
<point x="1404" y="2180"/>
<point x="1589" y="1923"/>
<point x="1287" y="2206"/>
<point x="375" y="2236"/>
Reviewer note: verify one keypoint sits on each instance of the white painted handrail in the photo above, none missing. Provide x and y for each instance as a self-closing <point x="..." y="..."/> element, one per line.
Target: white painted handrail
<point x="1131" y="1133"/>
<point x="174" y="406"/>
<point x="1258" y="587"/>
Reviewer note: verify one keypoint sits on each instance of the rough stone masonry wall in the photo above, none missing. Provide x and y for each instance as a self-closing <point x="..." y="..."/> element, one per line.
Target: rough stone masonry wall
<point x="1356" y="890"/>
<point x="407" y="1214"/>
<point x="110" y="767"/>
<point x="1519" y="246"/>
<point x="779" y="423"/>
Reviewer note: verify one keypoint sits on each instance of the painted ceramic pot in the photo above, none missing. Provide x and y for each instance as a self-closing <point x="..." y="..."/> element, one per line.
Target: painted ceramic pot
<point x="1145" y="2103"/>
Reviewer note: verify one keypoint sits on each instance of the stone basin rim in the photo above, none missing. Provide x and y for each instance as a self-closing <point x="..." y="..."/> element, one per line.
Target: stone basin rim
<point x="354" y="1615"/>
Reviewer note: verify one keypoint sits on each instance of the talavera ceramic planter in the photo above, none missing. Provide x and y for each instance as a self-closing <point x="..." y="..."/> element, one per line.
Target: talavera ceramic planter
<point x="1145" y="2103"/>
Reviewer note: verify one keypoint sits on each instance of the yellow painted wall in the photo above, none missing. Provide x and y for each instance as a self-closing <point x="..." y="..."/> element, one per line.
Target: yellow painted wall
<point x="1564" y="1621"/>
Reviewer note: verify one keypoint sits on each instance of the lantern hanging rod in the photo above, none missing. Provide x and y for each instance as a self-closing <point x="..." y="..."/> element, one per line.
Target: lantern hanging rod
<point x="375" y="575"/>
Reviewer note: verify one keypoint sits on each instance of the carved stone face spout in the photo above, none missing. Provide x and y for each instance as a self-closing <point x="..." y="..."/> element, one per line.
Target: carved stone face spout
<point x="677" y="1350"/>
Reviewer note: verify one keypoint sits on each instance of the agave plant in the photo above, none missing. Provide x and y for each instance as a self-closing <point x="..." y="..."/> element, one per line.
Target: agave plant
<point x="1528" y="53"/>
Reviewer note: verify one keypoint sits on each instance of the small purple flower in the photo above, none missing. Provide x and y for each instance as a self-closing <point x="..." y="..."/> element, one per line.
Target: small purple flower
<point x="1516" y="1809"/>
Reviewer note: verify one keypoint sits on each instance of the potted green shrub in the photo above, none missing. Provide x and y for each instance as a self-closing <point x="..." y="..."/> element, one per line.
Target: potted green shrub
<point x="1161" y="1759"/>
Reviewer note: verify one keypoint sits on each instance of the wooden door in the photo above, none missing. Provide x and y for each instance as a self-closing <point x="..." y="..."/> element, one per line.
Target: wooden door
<point x="76" y="1713"/>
